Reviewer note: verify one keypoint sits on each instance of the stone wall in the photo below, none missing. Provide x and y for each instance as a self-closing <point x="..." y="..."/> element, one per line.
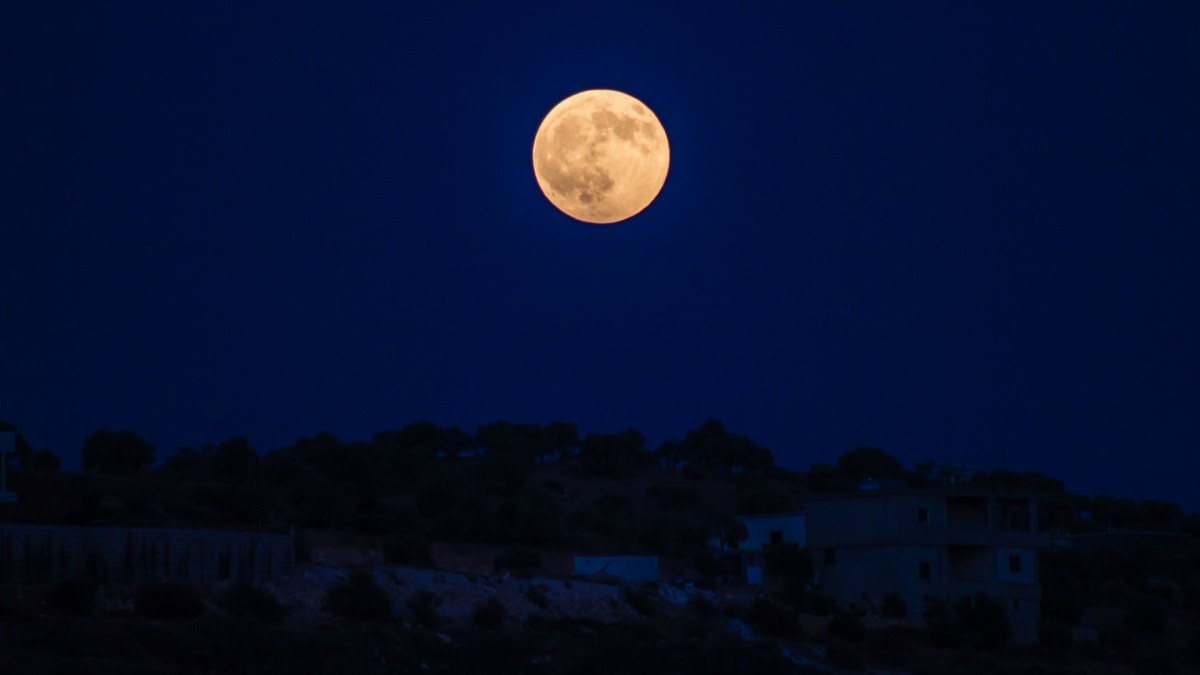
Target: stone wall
<point x="633" y="569"/>
<point x="32" y="554"/>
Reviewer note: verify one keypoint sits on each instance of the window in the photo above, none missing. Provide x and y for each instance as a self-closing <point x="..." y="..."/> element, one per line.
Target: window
<point x="922" y="515"/>
<point x="924" y="571"/>
<point x="830" y="556"/>
<point x="1014" y="564"/>
<point x="776" y="537"/>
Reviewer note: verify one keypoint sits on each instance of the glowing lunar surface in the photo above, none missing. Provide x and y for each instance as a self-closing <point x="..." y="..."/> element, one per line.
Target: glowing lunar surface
<point x="601" y="156"/>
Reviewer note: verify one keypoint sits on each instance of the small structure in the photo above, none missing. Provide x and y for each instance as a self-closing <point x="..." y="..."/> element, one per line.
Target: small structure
<point x="772" y="529"/>
<point x="633" y="569"/>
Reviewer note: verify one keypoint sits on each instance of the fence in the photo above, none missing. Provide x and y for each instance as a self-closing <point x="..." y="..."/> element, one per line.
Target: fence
<point x="32" y="554"/>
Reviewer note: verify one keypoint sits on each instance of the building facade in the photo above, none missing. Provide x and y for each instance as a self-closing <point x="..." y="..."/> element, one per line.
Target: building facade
<point x="929" y="547"/>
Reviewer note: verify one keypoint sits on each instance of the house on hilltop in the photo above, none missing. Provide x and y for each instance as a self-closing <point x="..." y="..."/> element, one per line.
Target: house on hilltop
<point x="929" y="546"/>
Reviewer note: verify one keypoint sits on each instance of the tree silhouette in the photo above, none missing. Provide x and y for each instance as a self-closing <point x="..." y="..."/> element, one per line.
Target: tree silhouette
<point x="118" y="452"/>
<point x="44" y="460"/>
<point x="234" y="461"/>
<point x="612" y="454"/>
<point x="867" y="462"/>
<point x="22" y="455"/>
<point x="713" y="449"/>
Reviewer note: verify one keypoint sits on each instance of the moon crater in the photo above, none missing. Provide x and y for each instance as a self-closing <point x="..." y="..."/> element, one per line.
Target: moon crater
<point x="601" y="156"/>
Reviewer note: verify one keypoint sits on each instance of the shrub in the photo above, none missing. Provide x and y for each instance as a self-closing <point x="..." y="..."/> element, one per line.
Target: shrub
<point x="1118" y="642"/>
<point x="945" y="633"/>
<point x="893" y="605"/>
<point x="794" y="594"/>
<point x="773" y="619"/>
<point x="703" y="607"/>
<point x="824" y="605"/>
<point x="359" y="598"/>
<point x="1055" y="637"/>
<point x="1155" y="663"/>
<point x="406" y="548"/>
<point x="537" y="596"/>
<point x="167" y="601"/>
<point x="1194" y="644"/>
<point x="984" y="622"/>
<point x="844" y="656"/>
<point x="893" y="645"/>
<point x="706" y="563"/>
<point x="846" y="627"/>
<point x="787" y="561"/>
<point x="74" y="597"/>
<point x="671" y="496"/>
<point x="423" y="604"/>
<point x="519" y="559"/>
<point x="488" y="614"/>
<point x="1147" y="618"/>
<point x="245" y="599"/>
<point x="1061" y="604"/>
<point x="640" y="599"/>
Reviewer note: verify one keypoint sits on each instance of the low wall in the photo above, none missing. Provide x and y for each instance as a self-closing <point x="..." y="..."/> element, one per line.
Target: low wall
<point x="32" y="554"/>
<point x="634" y="569"/>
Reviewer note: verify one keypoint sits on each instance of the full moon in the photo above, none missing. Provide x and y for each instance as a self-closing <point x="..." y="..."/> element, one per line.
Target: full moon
<point x="601" y="156"/>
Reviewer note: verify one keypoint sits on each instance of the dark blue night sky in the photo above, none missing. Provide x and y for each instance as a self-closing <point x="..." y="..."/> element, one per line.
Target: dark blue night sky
<point x="949" y="230"/>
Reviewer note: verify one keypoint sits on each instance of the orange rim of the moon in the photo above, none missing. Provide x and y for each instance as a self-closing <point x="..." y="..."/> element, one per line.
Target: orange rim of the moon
<point x="601" y="156"/>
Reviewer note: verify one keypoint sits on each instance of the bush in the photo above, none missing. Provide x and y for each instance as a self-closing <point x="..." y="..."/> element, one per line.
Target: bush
<point x="846" y="627"/>
<point x="706" y="563"/>
<point x="641" y="600"/>
<point x="406" y="548"/>
<point x="893" y="605"/>
<point x="74" y="597"/>
<point x="1147" y="618"/>
<point x="1055" y="637"/>
<point x="1118" y="642"/>
<point x="519" y="559"/>
<point x="787" y="561"/>
<point x="893" y="645"/>
<point x="423" y="604"/>
<point x="1194" y="644"/>
<point x="844" y="656"/>
<point x="537" y="596"/>
<point x="1155" y="663"/>
<point x="984" y="622"/>
<point x="702" y="607"/>
<point x="245" y="599"/>
<point x="167" y="601"/>
<point x="359" y="598"/>
<point x="1061" y="604"/>
<point x="670" y="496"/>
<point x="824" y="605"/>
<point x="773" y="619"/>
<point x="488" y="614"/>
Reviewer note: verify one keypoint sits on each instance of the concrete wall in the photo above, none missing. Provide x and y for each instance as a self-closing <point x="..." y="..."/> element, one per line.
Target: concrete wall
<point x="1026" y="565"/>
<point x="790" y="526"/>
<point x="50" y="553"/>
<point x="970" y="563"/>
<point x="875" y="518"/>
<point x="873" y="571"/>
<point x="634" y="569"/>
